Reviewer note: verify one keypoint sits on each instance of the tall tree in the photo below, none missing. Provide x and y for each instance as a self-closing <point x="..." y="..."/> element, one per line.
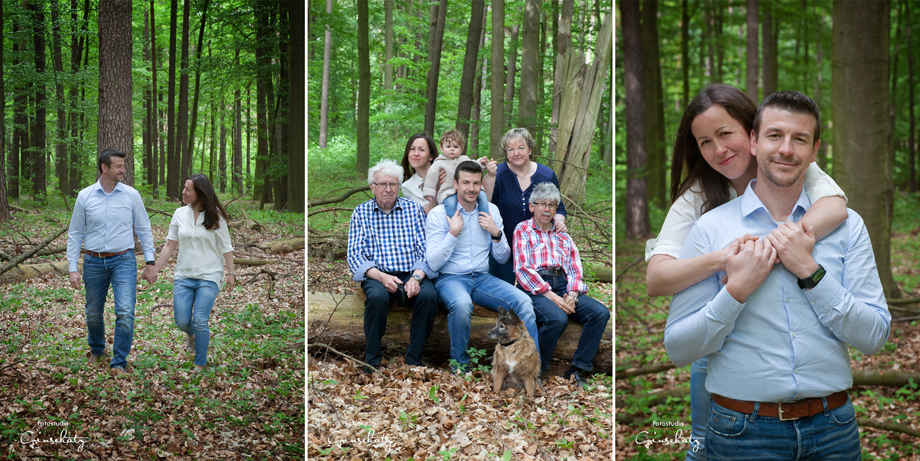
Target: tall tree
<point x="4" y="201"/>
<point x="236" y="174"/>
<point x="263" y="80"/>
<point x="911" y="147"/>
<point x="637" y="221"/>
<point x="562" y="41"/>
<point x="388" y="43"/>
<point x="20" y="123"/>
<point x="654" y="116"/>
<point x="198" y="65"/>
<point x="684" y="50"/>
<point x="60" y="147"/>
<point x="324" y="101"/>
<point x="173" y="170"/>
<point x="438" y="17"/>
<point x="468" y="78"/>
<point x="78" y="42"/>
<point x="530" y="60"/>
<point x="282" y="112"/>
<point x="497" y="124"/>
<point x="364" y="92"/>
<point x="222" y="163"/>
<point x="37" y="151"/>
<point x="182" y="151"/>
<point x="152" y="177"/>
<point x="752" y="52"/>
<point x="115" y="123"/>
<point x="297" y="156"/>
<point x="861" y="126"/>
<point x="478" y="89"/>
<point x="769" y="33"/>
<point x="148" y="96"/>
<point x="511" y="71"/>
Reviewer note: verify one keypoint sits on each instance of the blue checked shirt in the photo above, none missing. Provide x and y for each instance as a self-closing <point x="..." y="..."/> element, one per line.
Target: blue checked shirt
<point x="784" y="343"/>
<point x="391" y="242"/>
<point x="106" y="223"/>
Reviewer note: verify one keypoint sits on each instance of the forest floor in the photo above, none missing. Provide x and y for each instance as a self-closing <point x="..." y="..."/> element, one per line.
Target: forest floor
<point x="248" y="402"/>
<point x="639" y="342"/>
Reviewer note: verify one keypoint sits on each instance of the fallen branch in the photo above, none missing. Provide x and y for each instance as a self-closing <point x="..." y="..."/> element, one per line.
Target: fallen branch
<point x="644" y="370"/>
<point x="154" y="211"/>
<point x="251" y="262"/>
<point x="346" y="356"/>
<point x="15" y="262"/>
<point x="866" y="422"/>
<point x="340" y="198"/>
<point x="900" y="301"/>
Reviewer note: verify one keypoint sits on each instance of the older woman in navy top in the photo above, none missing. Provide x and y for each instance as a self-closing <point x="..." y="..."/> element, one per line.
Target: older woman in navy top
<point x="514" y="181"/>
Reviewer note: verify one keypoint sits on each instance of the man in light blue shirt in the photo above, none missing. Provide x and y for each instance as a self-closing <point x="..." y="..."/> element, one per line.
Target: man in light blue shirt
<point x="458" y="248"/>
<point x="106" y="216"/>
<point x="776" y="334"/>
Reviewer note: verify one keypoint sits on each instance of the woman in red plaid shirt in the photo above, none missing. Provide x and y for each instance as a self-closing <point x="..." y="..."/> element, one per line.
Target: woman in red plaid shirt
<point x="549" y="270"/>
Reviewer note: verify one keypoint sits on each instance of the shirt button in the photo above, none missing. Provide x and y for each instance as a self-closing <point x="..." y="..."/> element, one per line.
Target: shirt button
<point x="796" y="371"/>
<point x="793" y="335"/>
<point x="787" y="300"/>
<point x="832" y="328"/>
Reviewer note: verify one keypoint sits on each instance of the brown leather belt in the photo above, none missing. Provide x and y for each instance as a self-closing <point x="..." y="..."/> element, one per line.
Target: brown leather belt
<point x="104" y="255"/>
<point x="785" y="411"/>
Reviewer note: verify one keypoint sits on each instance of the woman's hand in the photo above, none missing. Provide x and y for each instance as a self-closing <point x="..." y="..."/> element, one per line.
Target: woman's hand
<point x="559" y="225"/>
<point x="231" y="282"/>
<point x="442" y="176"/>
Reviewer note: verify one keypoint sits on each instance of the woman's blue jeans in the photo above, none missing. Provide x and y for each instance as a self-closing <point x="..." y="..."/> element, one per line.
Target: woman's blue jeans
<point x="193" y="300"/>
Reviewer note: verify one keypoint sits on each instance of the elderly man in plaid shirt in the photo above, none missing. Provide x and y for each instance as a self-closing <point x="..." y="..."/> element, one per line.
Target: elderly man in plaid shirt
<point x="386" y="253"/>
<point x="548" y="268"/>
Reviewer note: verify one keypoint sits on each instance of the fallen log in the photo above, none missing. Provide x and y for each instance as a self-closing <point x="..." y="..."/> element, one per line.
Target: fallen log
<point x="284" y="246"/>
<point x="17" y="260"/>
<point x="345" y="330"/>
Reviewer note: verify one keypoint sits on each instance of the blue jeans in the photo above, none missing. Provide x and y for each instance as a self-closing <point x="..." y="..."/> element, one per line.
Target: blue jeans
<point x="98" y="273"/>
<point x="831" y="435"/>
<point x="504" y="271"/>
<point x="450" y="204"/>
<point x="699" y="408"/>
<point x="377" y="307"/>
<point x="193" y="300"/>
<point x="553" y="321"/>
<point x="459" y="291"/>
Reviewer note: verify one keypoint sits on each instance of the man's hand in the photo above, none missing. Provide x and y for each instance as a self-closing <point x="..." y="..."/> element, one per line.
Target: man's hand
<point x="571" y="298"/>
<point x="559" y="225"/>
<point x="150" y="274"/>
<point x="75" y="280"/>
<point x="794" y="243"/>
<point x="566" y="307"/>
<point x="391" y="283"/>
<point x="455" y="223"/>
<point x="412" y="287"/>
<point x="487" y="223"/>
<point x="748" y="265"/>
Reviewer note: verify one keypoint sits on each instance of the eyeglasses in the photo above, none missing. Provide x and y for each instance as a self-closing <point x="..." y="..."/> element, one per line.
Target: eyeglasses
<point x="386" y="185"/>
<point x="546" y="205"/>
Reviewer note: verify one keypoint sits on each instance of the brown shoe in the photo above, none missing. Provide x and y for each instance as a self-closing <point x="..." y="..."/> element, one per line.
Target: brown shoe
<point x="118" y="371"/>
<point x="92" y="360"/>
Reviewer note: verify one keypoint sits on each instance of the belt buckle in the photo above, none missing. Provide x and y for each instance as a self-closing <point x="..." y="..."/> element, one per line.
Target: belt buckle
<point x="779" y="410"/>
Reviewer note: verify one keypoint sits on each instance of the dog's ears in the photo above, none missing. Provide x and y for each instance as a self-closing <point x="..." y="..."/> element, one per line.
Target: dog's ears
<point x="501" y="311"/>
<point x="513" y="315"/>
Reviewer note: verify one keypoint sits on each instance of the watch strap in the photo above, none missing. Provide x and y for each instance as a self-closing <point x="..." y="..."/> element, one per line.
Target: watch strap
<point x="812" y="280"/>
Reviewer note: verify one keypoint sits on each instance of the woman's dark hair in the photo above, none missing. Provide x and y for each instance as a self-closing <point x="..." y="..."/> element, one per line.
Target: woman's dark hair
<point x="687" y="156"/>
<point x="209" y="202"/>
<point x="432" y="148"/>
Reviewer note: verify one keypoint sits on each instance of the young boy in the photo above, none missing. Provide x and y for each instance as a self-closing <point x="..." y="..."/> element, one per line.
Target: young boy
<point x="452" y="142"/>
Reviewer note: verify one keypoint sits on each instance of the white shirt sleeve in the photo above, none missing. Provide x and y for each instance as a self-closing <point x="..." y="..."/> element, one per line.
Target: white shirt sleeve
<point x="819" y="185"/>
<point x="683" y="213"/>
<point x="411" y="189"/>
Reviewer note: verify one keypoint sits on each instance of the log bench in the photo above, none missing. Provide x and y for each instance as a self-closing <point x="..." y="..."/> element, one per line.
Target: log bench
<point x="345" y="330"/>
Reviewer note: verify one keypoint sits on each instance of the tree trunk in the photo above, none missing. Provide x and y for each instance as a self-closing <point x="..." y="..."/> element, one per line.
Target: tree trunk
<point x="363" y="160"/>
<point x="60" y="147"/>
<point x="173" y="170"/>
<point x="497" y="124"/>
<point x="911" y="147"/>
<point x="263" y="80"/>
<point x="114" y="129"/>
<point x="152" y="176"/>
<point x="562" y="40"/>
<point x="4" y="202"/>
<point x="388" y="44"/>
<point x="720" y="48"/>
<point x="237" y="168"/>
<point x="282" y="112"/>
<point x="861" y="126"/>
<point x="769" y="33"/>
<point x="530" y="61"/>
<point x="684" y="51"/>
<point x="77" y="43"/>
<point x="892" y="100"/>
<point x="637" y="221"/>
<point x="345" y="330"/>
<point x="752" y="52"/>
<point x="324" y="102"/>
<point x="19" y="126"/>
<point x="194" y="123"/>
<point x="38" y="131"/>
<point x="468" y="78"/>
<point x="478" y="89"/>
<point x="222" y="163"/>
<point x="439" y="15"/>
<point x="182" y="150"/>
<point x="654" y="134"/>
<point x="511" y="72"/>
<point x="297" y="155"/>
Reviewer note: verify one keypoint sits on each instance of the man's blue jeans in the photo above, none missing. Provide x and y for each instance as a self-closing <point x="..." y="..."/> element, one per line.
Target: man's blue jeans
<point x="459" y="291"/>
<point x="699" y="408"/>
<point x="553" y="321"/>
<point x="831" y="435"/>
<point x="193" y="300"/>
<point x="98" y="273"/>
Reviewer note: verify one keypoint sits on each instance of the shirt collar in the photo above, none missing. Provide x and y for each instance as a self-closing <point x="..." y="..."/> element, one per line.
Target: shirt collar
<point x="98" y="186"/>
<point x="396" y="206"/>
<point x="750" y="203"/>
<point x="532" y="223"/>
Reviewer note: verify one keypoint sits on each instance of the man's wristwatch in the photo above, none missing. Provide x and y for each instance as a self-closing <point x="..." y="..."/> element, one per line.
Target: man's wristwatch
<point x="500" y="234"/>
<point x="812" y="280"/>
<point x="151" y="263"/>
<point x="417" y="278"/>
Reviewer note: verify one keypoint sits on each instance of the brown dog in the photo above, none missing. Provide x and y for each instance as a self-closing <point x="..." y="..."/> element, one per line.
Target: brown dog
<point x="515" y="357"/>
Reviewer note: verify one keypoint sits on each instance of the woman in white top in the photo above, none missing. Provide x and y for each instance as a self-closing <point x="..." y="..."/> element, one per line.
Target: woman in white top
<point x="421" y="151"/>
<point x="712" y="164"/>
<point x="200" y="228"/>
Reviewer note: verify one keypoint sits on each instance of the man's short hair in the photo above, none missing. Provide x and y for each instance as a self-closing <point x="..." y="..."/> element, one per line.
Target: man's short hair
<point x="387" y="167"/>
<point x="545" y="191"/>
<point x="105" y="158"/>
<point x="791" y="101"/>
<point x="455" y="136"/>
<point x="467" y="166"/>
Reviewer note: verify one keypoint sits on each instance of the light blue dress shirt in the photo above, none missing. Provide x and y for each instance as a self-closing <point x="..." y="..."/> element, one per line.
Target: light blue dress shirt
<point x="467" y="253"/>
<point x="106" y="223"/>
<point x="783" y="343"/>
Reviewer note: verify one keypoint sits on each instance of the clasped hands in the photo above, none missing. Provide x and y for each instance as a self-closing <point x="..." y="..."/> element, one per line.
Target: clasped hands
<point x="749" y="259"/>
<point x="565" y="302"/>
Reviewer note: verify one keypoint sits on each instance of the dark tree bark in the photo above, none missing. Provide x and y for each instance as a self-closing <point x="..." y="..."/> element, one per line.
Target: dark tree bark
<point x="769" y="33"/>
<point x="511" y="71"/>
<point x="114" y="129"/>
<point x="363" y="127"/>
<point x="497" y="124"/>
<point x="152" y="176"/>
<point x="37" y="151"/>
<point x="752" y="52"/>
<point x="894" y="82"/>
<point x="212" y="154"/>
<point x="222" y="163"/>
<point x="530" y="61"/>
<point x="237" y="163"/>
<point x="60" y="147"/>
<point x="684" y="50"/>
<point x="324" y="102"/>
<point x="4" y="201"/>
<point x="861" y="126"/>
<point x="173" y="170"/>
<point x="654" y="134"/>
<point x="477" y="89"/>
<point x="77" y="93"/>
<point x="637" y="221"/>
<point x="439" y="16"/>
<point x="911" y="148"/>
<point x="470" y="59"/>
<point x="20" y="121"/>
<point x="720" y="47"/>
<point x="282" y="112"/>
<point x="297" y="155"/>
<point x="194" y="123"/>
<point x="184" y="154"/>
<point x="145" y="127"/>
<point x="388" y="44"/>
